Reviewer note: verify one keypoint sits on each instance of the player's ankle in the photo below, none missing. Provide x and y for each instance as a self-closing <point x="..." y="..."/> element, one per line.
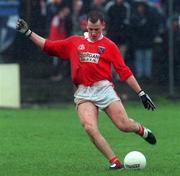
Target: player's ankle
<point x="143" y="131"/>
<point x="140" y="130"/>
<point x="113" y="159"/>
<point x="115" y="162"/>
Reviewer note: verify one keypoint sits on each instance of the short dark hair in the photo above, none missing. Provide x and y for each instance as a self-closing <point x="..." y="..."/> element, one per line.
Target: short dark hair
<point x="94" y="16"/>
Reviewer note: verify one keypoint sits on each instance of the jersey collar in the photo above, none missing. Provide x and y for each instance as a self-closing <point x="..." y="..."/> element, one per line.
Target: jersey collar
<point x="86" y="36"/>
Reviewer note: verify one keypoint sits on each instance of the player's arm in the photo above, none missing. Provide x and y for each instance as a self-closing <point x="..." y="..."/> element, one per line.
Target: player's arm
<point x="57" y="48"/>
<point x="132" y="82"/>
<point x="125" y="74"/>
<point x="23" y="28"/>
<point x="146" y="100"/>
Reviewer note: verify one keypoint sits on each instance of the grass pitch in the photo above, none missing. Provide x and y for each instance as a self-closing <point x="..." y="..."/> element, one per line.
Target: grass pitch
<point x="51" y="142"/>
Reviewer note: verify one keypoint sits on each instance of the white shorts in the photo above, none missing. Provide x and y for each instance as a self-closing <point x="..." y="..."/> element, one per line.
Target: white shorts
<point x="101" y="93"/>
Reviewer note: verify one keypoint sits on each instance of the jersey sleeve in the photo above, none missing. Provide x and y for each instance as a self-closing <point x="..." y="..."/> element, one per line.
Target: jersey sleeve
<point x="59" y="48"/>
<point x="121" y="68"/>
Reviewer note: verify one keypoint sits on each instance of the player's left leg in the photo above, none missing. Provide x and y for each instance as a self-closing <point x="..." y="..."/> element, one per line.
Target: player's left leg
<point x="119" y="117"/>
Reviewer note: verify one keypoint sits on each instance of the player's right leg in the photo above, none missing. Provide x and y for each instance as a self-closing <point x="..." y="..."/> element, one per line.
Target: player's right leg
<point x="88" y="114"/>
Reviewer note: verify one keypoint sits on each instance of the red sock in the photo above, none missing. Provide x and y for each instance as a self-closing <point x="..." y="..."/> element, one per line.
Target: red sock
<point x="141" y="130"/>
<point x="116" y="161"/>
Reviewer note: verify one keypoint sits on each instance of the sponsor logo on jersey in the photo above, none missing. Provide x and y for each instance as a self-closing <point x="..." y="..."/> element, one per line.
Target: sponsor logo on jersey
<point x="89" y="57"/>
<point x="101" y="49"/>
<point x="81" y="47"/>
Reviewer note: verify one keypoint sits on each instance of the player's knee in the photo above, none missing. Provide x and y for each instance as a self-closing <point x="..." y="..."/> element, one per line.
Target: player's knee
<point x="90" y="129"/>
<point x="124" y="126"/>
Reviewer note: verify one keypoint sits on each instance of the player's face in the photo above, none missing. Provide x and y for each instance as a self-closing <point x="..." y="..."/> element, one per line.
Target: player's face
<point x="95" y="29"/>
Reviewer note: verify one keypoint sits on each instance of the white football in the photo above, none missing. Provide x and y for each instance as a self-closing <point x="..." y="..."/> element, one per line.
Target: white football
<point x="135" y="160"/>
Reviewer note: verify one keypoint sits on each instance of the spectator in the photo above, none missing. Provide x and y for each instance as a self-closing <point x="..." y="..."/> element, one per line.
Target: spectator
<point x="144" y="30"/>
<point x="98" y="5"/>
<point x="78" y="17"/>
<point x="38" y="12"/>
<point x="52" y="9"/>
<point x="108" y="5"/>
<point x="58" y="31"/>
<point x="165" y="5"/>
<point x="118" y="23"/>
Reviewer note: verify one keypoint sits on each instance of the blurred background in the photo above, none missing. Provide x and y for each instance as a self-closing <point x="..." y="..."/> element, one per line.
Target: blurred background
<point x="146" y="31"/>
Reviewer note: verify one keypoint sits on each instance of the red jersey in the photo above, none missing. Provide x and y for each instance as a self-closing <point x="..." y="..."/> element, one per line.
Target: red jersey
<point x="90" y="61"/>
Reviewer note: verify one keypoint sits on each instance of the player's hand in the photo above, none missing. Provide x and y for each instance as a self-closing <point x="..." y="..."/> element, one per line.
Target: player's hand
<point x="23" y="27"/>
<point x="146" y="100"/>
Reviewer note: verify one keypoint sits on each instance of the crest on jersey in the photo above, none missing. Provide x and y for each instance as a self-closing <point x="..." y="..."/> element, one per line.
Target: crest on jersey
<point x="101" y="49"/>
<point x="81" y="47"/>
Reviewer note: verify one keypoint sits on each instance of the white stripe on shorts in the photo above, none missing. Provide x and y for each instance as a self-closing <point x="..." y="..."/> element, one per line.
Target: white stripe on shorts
<point x="101" y="93"/>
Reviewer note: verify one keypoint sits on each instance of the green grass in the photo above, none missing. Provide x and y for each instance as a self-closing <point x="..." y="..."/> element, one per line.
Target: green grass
<point x="51" y="142"/>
